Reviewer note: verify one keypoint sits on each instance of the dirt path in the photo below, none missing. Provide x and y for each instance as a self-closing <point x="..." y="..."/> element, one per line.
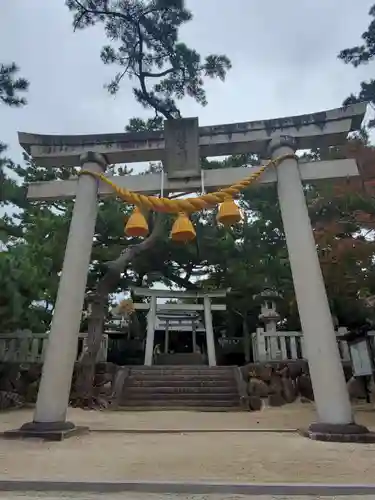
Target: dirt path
<point x="291" y="416"/>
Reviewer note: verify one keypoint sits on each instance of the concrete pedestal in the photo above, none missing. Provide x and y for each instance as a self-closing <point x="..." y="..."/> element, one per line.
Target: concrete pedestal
<point x="54" y="431"/>
<point x="327" y="376"/>
<point x="54" y="390"/>
<point x="344" y="433"/>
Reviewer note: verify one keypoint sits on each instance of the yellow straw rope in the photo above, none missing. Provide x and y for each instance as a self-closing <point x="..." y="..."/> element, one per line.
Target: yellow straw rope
<point x="187" y="205"/>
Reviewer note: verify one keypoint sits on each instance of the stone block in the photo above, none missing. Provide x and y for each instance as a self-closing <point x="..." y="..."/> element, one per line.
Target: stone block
<point x="262" y="372"/>
<point x="275" y="385"/>
<point x="32" y="373"/>
<point x="245" y="372"/>
<point x="32" y="392"/>
<point x="182" y="158"/>
<point x="348" y="370"/>
<point x="256" y="387"/>
<point x="356" y="388"/>
<point x="276" y="400"/>
<point x="255" y="403"/>
<point x="10" y="377"/>
<point x="10" y="399"/>
<point x="19" y="382"/>
<point x="304" y="387"/>
<point x="289" y="391"/>
<point x="101" y="379"/>
<point x="297" y="368"/>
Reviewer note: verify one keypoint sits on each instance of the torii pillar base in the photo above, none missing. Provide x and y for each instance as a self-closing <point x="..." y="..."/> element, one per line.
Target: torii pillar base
<point x="54" y="431"/>
<point x="339" y="433"/>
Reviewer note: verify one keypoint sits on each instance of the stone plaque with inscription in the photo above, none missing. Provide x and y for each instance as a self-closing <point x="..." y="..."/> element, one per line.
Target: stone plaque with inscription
<point x="182" y="148"/>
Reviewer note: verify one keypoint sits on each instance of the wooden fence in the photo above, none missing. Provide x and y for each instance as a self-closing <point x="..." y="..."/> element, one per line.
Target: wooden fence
<point x="284" y="346"/>
<point x="25" y="346"/>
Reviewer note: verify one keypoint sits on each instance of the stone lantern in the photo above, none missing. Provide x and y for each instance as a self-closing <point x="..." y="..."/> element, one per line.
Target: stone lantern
<point x="268" y="312"/>
<point x="268" y="343"/>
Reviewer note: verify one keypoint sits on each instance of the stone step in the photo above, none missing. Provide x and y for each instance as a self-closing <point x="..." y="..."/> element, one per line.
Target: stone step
<point x="180" y="376"/>
<point x="179" y="403"/>
<point x="199" y="399"/>
<point x="180" y="367"/>
<point x="216" y="375"/>
<point x="224" y="383"/>
<point x="181" y="407"/>
<point x="183" y="387"/>
<point x="184" y="369"/>
<point x="207" y="391"/>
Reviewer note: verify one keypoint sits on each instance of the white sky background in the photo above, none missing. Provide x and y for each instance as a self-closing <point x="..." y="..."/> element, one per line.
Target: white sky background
<point x="284" y="57"/>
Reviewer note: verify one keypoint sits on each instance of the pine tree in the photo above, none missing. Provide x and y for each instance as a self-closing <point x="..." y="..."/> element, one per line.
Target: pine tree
<point x="145" y="46"/>
<point x="16" y="276"/>
<point x="12" y="86"/>
<point x="363" y="54"/>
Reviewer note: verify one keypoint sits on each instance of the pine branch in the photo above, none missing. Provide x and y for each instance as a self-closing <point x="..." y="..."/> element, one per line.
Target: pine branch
<point x="147" y="34"/>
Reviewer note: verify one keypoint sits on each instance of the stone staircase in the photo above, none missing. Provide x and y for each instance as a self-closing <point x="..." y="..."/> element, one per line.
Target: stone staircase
<point x="201" y="388"/>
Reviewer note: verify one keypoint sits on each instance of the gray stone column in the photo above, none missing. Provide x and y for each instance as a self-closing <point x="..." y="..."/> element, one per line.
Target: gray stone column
<point x="151" y="318"/>
<point x="211" y="354"/>
<point x="194" y="335"/>
<point x="327" y="376"/>
<point x="166" y="337"/>
<point x="54" y="389"/>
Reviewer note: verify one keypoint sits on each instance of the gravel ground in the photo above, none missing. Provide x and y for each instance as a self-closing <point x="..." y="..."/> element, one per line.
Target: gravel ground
<point x="237" y="456"/>
<point x="293" y="416"/>
<point x="141" y="496"/>
<point x="257" y="457"/>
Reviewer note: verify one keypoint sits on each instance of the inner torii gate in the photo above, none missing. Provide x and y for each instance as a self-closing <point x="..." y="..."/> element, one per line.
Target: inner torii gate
<point x="179" y="147"/>
<point x="153" y="309"/>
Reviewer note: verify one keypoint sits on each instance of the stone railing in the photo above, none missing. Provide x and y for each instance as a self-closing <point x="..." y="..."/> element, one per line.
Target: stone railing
<point x="284" y="346"/>
<point x="25" y="346"/>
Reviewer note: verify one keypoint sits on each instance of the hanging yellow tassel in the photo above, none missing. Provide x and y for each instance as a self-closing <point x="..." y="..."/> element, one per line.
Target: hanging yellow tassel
<point x="137" y="225"/>
<point x="183" y="230"/>
<point x="229" y="213"/>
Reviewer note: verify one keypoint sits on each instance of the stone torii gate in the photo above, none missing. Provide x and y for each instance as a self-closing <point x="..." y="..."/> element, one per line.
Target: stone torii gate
<point x="153" y="309"/>
<point x="180" y="145"/>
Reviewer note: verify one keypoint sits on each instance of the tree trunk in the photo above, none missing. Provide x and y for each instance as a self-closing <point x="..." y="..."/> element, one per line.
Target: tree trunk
<point x="86" y="368"/>
<point x="84" y="387"/>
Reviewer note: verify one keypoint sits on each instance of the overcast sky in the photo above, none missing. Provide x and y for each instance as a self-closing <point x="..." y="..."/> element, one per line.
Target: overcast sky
<point x="284" y="57"/>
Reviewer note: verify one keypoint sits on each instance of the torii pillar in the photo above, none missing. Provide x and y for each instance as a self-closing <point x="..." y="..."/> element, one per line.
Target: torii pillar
<point x="335" y="417"/>
<point x="49" y="419"/>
